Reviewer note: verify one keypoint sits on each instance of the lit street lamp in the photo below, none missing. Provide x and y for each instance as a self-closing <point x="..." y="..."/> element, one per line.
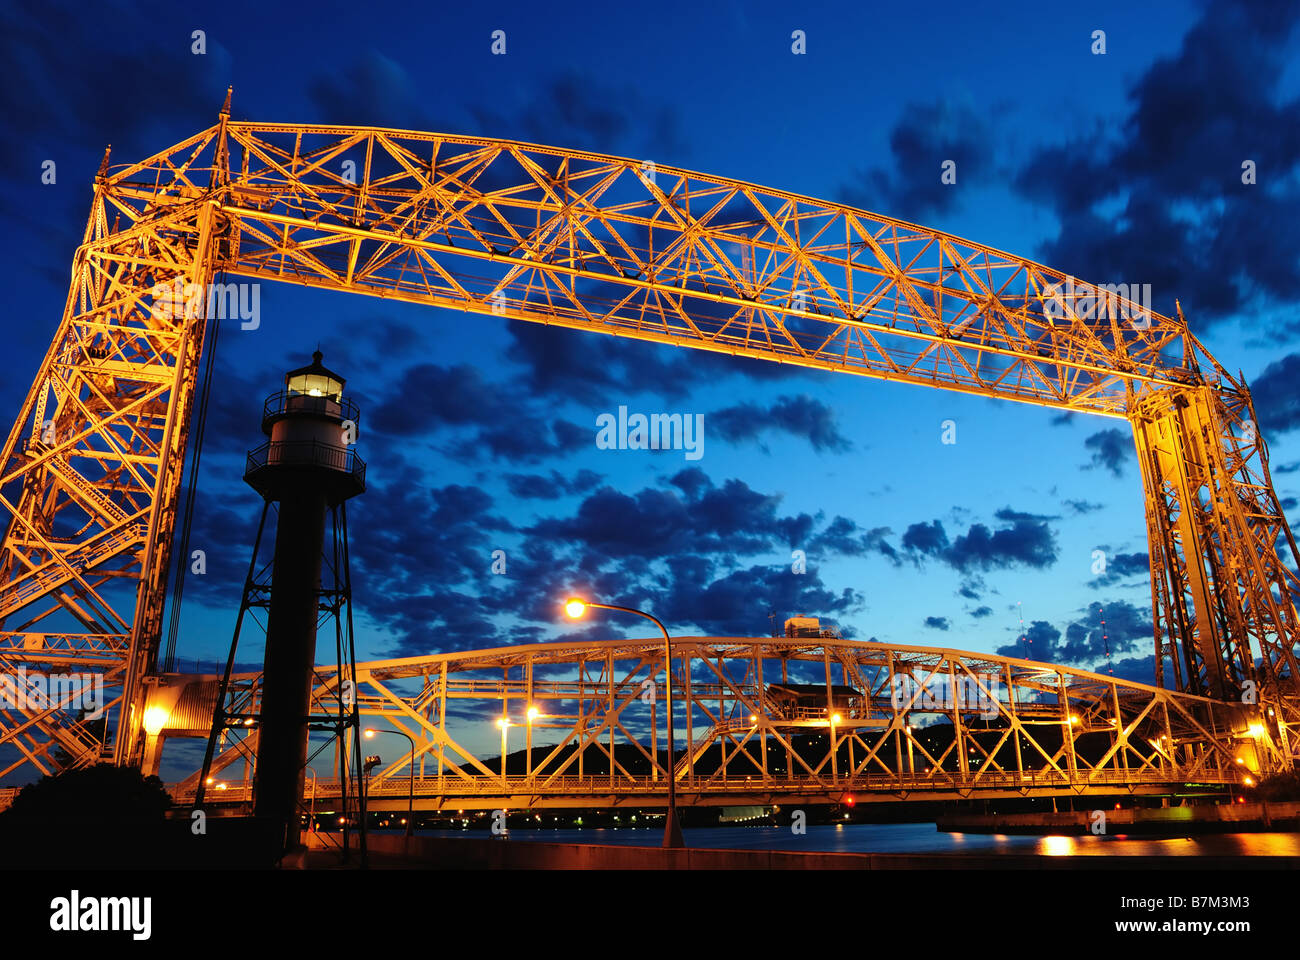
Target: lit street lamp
<point x="575" y="608"/>
<point x="410" y="796"/>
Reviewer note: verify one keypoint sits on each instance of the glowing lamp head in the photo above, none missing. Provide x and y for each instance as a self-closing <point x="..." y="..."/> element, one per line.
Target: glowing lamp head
<point x="370" y="734"/>
<point x="533" y="712"/>
<point x="836" y="718"/>
<point x="503" y="722"/>
<point x="575" y="608"/>
<point x="155" y="718"/>
<point x="314" y="380"/>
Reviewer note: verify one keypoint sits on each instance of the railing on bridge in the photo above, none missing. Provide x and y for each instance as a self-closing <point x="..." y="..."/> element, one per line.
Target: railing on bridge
<point x="586" y="789"/>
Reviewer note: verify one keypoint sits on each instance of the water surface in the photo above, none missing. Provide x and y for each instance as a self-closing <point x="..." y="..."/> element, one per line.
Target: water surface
<point x="914" y="838"/>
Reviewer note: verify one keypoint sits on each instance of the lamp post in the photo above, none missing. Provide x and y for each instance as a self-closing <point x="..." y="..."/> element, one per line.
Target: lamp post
<point x="533" y="713"/>
<point x="503" y="724"/>
<point x="311" y="817"/>
<point x="410" y="795"/>
<point x="575" y="608"/>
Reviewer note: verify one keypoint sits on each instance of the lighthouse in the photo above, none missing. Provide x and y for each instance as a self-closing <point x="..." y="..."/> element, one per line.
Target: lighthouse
<point x="308" y="466"/>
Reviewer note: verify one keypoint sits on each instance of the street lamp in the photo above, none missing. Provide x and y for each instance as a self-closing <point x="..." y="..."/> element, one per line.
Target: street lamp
<point x="575" y="608"/>
<point x="410" y="796"/>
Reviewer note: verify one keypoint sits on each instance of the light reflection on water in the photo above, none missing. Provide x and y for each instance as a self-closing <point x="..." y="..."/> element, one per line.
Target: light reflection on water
<point x="919" y="838"/>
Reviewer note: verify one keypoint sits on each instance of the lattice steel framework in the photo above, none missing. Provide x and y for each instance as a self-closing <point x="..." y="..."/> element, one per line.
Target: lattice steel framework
<point x="91" y="468"/>
<point x="585" y="726"/>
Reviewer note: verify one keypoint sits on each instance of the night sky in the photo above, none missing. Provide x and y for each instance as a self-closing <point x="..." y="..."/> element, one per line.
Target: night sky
<point x="480" y="432"/>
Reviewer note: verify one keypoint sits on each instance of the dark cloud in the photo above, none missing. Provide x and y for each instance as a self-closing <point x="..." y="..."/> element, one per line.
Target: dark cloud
<point x="1086" y="642"/>
<point x="1042" y="644"/>
<point x="925" y="538"/>
<point x="598" y="369"/>
<point x="56" y="98"/>
<point x="501" y="423"/>
<point x="685" y="551"/>
<point x="1024" y="539"/>
<point x="937" y="623"/>
<point x="692" y="481"/>
<point x="1027" y="542"/>
<point x="737" y="604"/>
<point x="1081" y="507"/>
<point x="1110" y="448"/>
<point x="1180" y="218"/>
<point x="535" y="486"/>
<point x="576" y="110"/>
<point x="980" y="612"/>
<point x="1008" y="515"/>
<point x="1276" y="393"/>
<point x="928" y="135"/>
<point x="1126" y="628"/>
<point x="1137" y="669"/>
<point x="1122" y="565"/>
<point x="428" y="395"/>
<point x="658" y="523"/>
<point x="526" y="439"/>
<point x="373" y="90"/>
<point x="799" y="416"/>
<point x="844" y="537"/>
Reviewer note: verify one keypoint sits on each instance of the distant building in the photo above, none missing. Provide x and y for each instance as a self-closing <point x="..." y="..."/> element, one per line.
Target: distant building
<point x="809" y="628"/>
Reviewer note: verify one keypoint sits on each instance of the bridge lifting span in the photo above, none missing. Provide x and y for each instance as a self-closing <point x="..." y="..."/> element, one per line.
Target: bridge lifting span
<point x="765" y="721"/>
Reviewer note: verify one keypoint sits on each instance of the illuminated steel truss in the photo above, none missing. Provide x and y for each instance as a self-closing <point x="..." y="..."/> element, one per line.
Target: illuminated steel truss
<point x="586" y="727"/>
<point x="91" y="469"/>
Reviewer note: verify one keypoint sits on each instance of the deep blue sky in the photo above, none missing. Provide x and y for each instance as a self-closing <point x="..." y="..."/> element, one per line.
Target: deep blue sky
<point x="480" y="433"/>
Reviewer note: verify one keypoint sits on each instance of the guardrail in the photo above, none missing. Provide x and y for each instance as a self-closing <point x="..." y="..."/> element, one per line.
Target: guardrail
<point x="307" y="453"/>
<point x="289" y="402"/>
<point x="580" y="787"/>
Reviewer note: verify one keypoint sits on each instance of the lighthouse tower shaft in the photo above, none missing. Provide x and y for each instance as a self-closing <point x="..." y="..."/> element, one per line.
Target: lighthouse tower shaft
<point x="308" y="467"/>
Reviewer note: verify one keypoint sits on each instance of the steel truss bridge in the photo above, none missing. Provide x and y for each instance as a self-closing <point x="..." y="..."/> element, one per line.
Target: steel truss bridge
<point x="90" y="471"/>
<point x="582" y="725"/>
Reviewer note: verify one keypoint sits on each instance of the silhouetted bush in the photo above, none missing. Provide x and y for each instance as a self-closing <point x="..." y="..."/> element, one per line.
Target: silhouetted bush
<point x="1277" y="787"/>
<point x="101" y="816"/>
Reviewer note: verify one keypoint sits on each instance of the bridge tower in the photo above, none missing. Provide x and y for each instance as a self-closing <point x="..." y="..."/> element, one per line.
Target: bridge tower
<point x="309" y="468"/>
